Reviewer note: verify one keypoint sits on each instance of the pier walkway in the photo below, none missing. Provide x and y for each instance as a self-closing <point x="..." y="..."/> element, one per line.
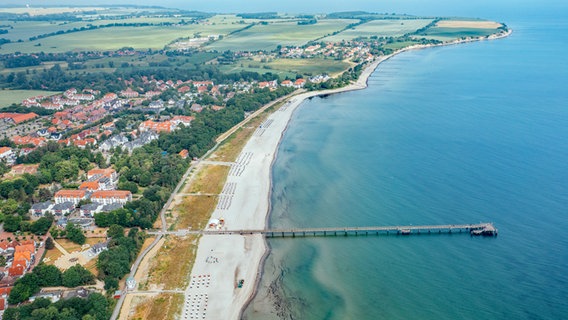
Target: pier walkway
<point x="485" y="229"/>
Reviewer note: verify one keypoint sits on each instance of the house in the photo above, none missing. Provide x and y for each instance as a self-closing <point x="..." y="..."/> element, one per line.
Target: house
<point x="17" y="118"/>
<point x="53" y="296"/>
<point x="129" y="93"/>
<point x="145" y="138"/>
<point x="99" y="247"/>
<point x="89" y="209"/>
<point x="7" y="155"/>
<point x="268" y="84"/>
<point x="112" y="142"/>
<point x="287" y="83"/>
<point x="196" y="107"/>
<point x="90" y="186"/>
<point x="150" y="125"/>
<point x="184" y="89"/>
<point x="299" y="83"/>
<point x="84" y="223"/>
<point x="17" y="269"/>
<point x="41" y="208"/>
<point x="24" y="168"/>
<point x="108" y="172"/>
<point x="111" y="196"/>
<point x="37" y="142"/>
<point x="217" y="108"/>
<point x="63" y="208"/>
<point x="184" y="154"/>
<point x="70" y="196"/>
<point x="111" y="207"/>
<point x="185" y="120"/>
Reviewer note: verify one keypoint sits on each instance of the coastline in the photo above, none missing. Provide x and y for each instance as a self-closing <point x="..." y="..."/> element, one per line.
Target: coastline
<point x="243" y="256"/>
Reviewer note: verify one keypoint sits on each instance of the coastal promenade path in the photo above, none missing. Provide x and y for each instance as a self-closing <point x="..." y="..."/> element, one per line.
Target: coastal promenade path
<point x="476" y="229"/>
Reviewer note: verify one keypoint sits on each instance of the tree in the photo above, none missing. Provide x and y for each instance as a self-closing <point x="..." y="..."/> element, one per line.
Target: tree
<point x="111" y="283"/>
<point x="75" y="234"/>
<point x="49" y="243"/>
<point x="48" y="275"/>
<point x="12" y="223"/>
<point x="115" y="231"/>
<point x="77" y="276"/>
<point x="41" y="226"/>
<point x="24" y="288"/>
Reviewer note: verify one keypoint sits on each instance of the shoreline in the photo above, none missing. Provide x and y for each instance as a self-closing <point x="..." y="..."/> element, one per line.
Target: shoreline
<point x="244" y="256"/>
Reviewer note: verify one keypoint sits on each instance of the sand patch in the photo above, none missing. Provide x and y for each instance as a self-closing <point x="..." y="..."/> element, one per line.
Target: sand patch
<point x="468" y="24"/>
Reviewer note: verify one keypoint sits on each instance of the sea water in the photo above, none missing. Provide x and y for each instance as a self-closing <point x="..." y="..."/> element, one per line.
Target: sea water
<point x="459" y="134"/>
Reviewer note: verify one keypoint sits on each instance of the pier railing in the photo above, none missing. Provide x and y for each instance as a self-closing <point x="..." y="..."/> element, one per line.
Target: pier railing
<point x="485" y="229"/>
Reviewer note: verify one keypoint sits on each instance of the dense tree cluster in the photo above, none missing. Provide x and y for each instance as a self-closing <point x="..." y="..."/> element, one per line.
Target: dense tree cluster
<point x="48" y="276"/>
<point x="21" y="61"/>
<point x="75" y="234"/>
<point x="115" y="262"/>
<point x="94" y="307"/>
<point x="59" y="163"/>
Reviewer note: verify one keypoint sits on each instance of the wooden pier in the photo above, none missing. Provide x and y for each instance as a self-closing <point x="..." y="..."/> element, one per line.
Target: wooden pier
<point x="480" y="229"/>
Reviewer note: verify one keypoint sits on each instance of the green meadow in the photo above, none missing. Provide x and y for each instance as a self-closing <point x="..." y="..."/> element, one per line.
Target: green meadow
<point x="290" y="67"/>
<point x="7" y="97"/>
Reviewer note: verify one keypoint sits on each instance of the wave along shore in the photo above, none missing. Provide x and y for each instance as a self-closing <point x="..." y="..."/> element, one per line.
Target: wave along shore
<point x="223" y="260"/>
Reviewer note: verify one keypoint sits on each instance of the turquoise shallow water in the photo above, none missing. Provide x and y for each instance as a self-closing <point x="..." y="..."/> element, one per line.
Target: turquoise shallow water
<point x="460" y="134"/>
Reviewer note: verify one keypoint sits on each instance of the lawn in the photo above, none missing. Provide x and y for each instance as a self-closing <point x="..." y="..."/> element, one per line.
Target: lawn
<point x="310" y="66"/>
<point x="7" y="97"/>
<point x="71" y="246"/>
<point x="289" y="67"/>
<point x="380" y="28"/>
<point x="267" y="37"/>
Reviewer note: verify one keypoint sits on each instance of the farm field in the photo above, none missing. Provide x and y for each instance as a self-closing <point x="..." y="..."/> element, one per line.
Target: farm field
<point x="7" y="97"/>
<point x="267" y="37"/>
<point x="47" y="10"/>
<point x="454" y="29"/>
<point x="380" y="28"/>
<point x="148" y="37"/>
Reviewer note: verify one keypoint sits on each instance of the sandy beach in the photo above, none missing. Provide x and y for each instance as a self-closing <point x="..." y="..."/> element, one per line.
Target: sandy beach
<point x="223" y="260"/>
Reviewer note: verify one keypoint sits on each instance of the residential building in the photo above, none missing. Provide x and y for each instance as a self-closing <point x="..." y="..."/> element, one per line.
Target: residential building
<point x="17" y="118"/>
<point x="41" y="208"/>
<point x="90" y="186"/>
<point x="111" y="196"/>
<point x="63" y="208"/>
<point x="99" y="247"/>
<point x="89" y="209"/>
<point x="184" y="154"/>
<point x="70" y="196"/>
<point x="108" y="172"/>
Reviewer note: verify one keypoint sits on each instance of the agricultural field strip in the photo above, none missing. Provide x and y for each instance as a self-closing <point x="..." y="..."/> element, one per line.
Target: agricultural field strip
<point x="154" y="37"/>
<point x="384" y="28"/>
<point x="267" y="37"/>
